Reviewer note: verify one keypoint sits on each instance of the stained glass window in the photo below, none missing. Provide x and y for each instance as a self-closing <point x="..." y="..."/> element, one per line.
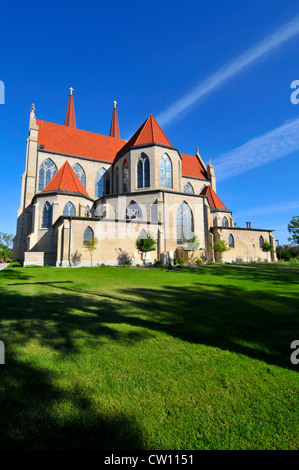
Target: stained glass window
<point x="69" y="209"/>
<point x="165" y="172"/>
<point x="184" y="223"/>
<point x="46" y="172"/>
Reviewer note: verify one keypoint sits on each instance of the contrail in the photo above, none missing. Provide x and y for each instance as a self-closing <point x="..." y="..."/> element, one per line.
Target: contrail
<point x="276" y="39"/>
<point x="261" y="150"/>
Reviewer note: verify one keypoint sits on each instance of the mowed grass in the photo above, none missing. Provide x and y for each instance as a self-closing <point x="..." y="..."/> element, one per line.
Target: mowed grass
<point x="122" y="359"/>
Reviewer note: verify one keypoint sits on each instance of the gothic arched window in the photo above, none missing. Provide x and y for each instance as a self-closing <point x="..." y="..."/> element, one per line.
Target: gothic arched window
<point x="224" y="222"/>
<point x="165" y="172"/>
<point x="143" y="171"/>
<point x="69" y="209"/>
<point x="231" y="241"/>
<point x="88" y="234"/>
<point x="107" y="184"/>
<point x="133" y="211"/>
<point x="117" y="180"/>
<point x="261" y="241"/>
<point x="188" y="188"/>
<point x="47" y="215"/>
<point x="125" y="178"/>
<point x="80" y="173"/>
<point x="100" y="183"/>
<point x="87" y="212"/>
<point x="47" y="170"/>
<point x="142" y="234"/>
<point x="184" y="223"/>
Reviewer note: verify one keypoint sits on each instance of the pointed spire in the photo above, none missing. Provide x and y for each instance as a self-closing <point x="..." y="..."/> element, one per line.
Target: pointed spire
<point x="114" y="129"/>
<point x="70" y="119"/>
<point x="32" y="121"/>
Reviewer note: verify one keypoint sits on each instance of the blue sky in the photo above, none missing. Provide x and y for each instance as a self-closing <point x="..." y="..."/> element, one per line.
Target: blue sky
<point x="151" y="58"/>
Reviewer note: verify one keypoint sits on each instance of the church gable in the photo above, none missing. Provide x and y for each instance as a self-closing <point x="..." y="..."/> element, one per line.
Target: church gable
<point x="66" y="180"/>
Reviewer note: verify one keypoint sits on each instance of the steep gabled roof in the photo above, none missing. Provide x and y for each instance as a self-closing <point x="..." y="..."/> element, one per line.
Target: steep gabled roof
<point x="66" y="180"/>
<point x="215" y="201"/>
<point x="70" y="141"/>
<point x="192" y="167"/>
<point x="148" y="133"/>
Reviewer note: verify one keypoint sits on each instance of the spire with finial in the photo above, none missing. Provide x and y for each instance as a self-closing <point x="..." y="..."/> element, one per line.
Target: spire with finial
<point x="32" y="121"/>
<point x="114" y="129"/>
<point x="70" y="119"/>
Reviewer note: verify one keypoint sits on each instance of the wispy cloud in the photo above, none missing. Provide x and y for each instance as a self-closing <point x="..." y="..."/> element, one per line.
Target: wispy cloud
<point x="270" y="209"/>
<point x="268" y="44"/>
<point x="271" y="146"/>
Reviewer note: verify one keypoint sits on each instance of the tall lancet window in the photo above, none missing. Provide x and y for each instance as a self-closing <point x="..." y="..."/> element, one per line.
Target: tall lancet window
<point x="47" y="215"/>
<point x="224" y="222"/>
<point x="143" y="171"/>
<point x="69" y="209"/>
<point x="165" y="172"/>
<point x="80" y="173"/>
<point x="125" y="178"/>
<point x="88" y="235"/>
<point x="184" y="223"/>
<point x="117" y="180"/>
<point x="100" y="183"/>
<point x="107" y="184"/>
<point x="47" y="170"/>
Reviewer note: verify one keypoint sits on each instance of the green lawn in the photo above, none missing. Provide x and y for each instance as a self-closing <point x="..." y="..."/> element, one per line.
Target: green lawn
<point x="113" y="358"/>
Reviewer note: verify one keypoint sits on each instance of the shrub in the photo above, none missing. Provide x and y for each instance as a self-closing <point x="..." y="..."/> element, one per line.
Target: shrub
<point x="199" y="262"/>
<point x="180" y="262"/>
<point x="15" y="264"/>
<point x="158" y="264"/>
<point x="146" y="244"/>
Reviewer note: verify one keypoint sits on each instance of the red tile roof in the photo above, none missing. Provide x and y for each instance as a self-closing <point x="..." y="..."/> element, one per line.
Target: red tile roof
<point x="148" y="133"/>
<point x="66" y="180"/>
<point x="192" y="166"/>
<point x="70" y="141"/>
<point x="215" y="201"/>
<point x="70" y="119"/>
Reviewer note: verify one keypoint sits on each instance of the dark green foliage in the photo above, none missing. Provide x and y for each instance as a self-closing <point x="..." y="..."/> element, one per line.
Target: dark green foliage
<point x="146" y="244"/>
<point x="293" y="229"/>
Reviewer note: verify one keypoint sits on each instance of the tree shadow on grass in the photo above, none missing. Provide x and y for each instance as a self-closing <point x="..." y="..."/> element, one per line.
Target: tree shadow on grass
<point x="254" y="323"/>
<point x="259" y="272"/>
<point x="28" y="421"/>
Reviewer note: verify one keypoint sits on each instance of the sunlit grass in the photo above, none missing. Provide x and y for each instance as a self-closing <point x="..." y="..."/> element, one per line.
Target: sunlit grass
<point x="113" y="358"/>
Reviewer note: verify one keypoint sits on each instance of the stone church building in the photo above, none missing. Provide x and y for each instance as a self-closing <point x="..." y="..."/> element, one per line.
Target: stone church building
<point x="78" y="185"/>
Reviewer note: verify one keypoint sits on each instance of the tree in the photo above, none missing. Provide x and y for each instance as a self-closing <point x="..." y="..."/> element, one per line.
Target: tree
<point x="5" y="253"/>
<point x="146" y="243"/>
<point x="220" y="246"/>
<point x="91" y="245"/>
<point x="293" y="228"/>
<point x="266" y="247"/>
<point x="6" y="239"/>
<point x="192" y="246"/>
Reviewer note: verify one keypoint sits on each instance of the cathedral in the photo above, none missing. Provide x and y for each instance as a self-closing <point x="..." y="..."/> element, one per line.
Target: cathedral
<point x="79" y="185"/>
